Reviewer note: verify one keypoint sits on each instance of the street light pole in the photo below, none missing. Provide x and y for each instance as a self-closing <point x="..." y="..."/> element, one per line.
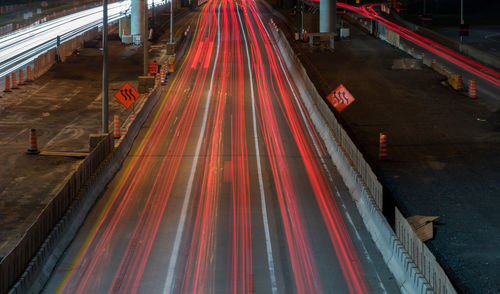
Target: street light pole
<point x="105" y="67"/>
<point x="461" y="18"/>
<point x="171" y="21"/>
<point x="145" y="37"/>
<point x="461" y="11"/>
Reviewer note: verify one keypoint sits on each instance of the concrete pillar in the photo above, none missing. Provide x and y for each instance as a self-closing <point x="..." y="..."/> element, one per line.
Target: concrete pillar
<point x="137" y="20"/>
<point x="327" y="16"/>
<point x="124" y="26"/>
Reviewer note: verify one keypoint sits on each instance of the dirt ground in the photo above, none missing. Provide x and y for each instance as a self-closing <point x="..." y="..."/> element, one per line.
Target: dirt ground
<point x="64" y="106"/>
<point x="443" y="150"/>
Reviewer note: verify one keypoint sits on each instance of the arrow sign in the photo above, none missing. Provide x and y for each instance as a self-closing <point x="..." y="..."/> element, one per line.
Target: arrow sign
<point x="127" y="95"/>
<point x="340" y="98"/>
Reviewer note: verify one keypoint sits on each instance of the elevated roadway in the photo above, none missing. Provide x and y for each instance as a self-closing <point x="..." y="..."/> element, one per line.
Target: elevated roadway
<point x="228" y="187"/>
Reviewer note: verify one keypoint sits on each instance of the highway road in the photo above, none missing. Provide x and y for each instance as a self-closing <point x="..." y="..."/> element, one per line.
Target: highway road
<point x="228" y="188"/>
<point x="22" y="46"/>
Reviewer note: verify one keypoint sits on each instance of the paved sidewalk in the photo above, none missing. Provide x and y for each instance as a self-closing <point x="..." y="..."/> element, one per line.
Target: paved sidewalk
<point x="443" y="149"/>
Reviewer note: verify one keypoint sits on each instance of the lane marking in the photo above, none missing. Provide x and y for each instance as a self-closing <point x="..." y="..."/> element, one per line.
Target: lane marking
<point x="169" y="283"/>
<point x="269" y="248"/>
<point x="323" y="162"/>
<point x="96" y="226"/>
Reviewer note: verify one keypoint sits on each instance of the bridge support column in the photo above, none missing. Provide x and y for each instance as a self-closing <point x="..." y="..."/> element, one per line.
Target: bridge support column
<point x="137" y="21"/>
<point x="327" y="16"/>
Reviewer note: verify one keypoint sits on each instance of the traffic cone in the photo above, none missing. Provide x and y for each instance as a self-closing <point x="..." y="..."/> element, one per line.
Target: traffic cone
<point x="382" y="151"/>
<point x="33" y="149"/>
<point x="21" y="77"/>
<point x="116" y="122"/>
<point x="7" y="83"/>
<point x="472" y="88"/>
<point x="14" y="81"/>
<point x="30" y="74"/>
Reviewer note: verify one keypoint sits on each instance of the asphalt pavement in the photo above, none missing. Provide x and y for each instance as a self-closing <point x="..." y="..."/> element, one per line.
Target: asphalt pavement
<point x="443" y="149"/>
<point x="486" y="38"/>
<point x="227" y="187"/>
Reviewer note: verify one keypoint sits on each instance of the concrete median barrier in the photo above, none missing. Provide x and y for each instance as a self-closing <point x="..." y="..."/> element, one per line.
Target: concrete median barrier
<point x="62" y="218"/>
<point x="357" y="175"/>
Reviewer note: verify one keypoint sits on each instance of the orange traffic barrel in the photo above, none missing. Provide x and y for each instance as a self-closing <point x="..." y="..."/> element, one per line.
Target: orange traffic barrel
<point x="123" y="131"/>
<point x="162" y="75"/>
<point x="21" y="77"/>
<point x="14" y="81"/>
<point x="116" y="123"/>
<point x="382" y="151"/>
<point x="132" y="116"/>
<point x="33" y="149"/>
<point x="472" y="88"/>
<point x="30" y="73"/>
<point x="7" y="83"/>
<point x="460" y="82"/>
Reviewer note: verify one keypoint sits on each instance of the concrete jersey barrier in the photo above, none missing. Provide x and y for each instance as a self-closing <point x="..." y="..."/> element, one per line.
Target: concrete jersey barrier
<point x="344" y="153"/>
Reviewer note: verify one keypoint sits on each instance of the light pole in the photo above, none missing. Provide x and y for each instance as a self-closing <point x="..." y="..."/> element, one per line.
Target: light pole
<point x="105" y="67"/>
<point x="145" y="37"/>
<point x="461" y="18"/>
<point x="171" y="21"/>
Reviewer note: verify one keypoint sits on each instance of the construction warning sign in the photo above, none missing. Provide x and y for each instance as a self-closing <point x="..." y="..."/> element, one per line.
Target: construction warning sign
<point x="340" y="98"/>
<point x="127" y="95"/>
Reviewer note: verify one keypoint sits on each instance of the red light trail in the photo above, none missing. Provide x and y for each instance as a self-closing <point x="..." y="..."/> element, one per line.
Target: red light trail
<point x="209" y="101"/>
<point x="463" y="62"/>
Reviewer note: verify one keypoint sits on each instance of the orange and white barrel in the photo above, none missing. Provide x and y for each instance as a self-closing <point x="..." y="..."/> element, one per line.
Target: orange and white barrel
<point x="7" y="83"/>
<point x="116" y="124"/>
<point x="162" y="75"/>
<point x="30" y="73"/>
<point x="472" y="88"/>
<point x="33" y="147"/>
<point x="382" y="151"/>
<point x="21" y="77"/>
<point x="460" y="82"/>
<point x="14" y="81"/>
